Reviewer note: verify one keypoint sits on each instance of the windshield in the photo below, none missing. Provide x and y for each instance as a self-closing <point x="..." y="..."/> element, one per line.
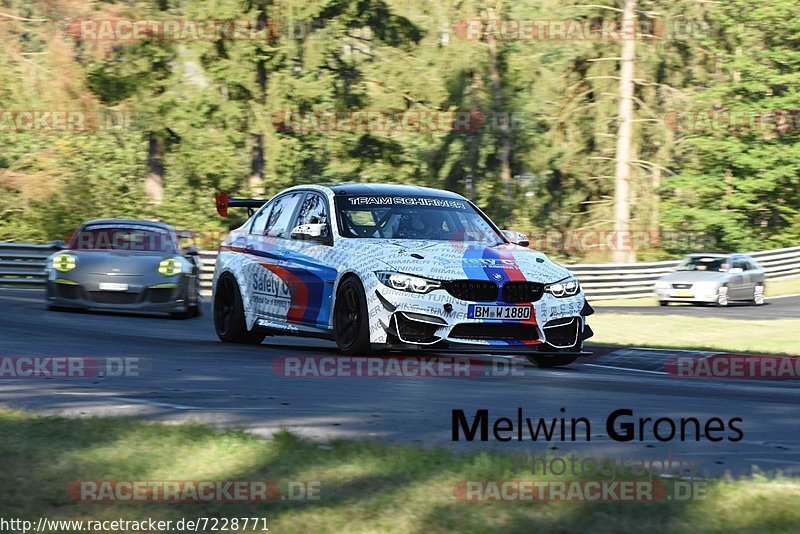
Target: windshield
<point x="704" y="264"/>
<point x="132" y="238"/>
<point x="429" y="218"/>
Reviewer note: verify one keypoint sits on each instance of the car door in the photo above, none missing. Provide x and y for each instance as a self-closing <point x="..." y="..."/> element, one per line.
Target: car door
<point x="754" y="276"/>
<point x="309" y="263"/>
<point x="738" y="279"/>
<point x="269" y="290"/>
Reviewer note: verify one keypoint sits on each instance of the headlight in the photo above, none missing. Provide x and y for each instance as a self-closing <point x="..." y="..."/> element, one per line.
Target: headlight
<point x="567" y="287"/>
<point x="661" y="284"/>
<point x="64" y="262"/>
<point x="170" y="267"/>
<point x="406" y="282"/>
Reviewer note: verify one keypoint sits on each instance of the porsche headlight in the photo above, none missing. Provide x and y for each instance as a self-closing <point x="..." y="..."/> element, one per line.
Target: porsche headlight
<point x="406" y="282"/>
<point x="64" y="262"/>
<point x="170" y="267"/>
<point x="568" y="287"/>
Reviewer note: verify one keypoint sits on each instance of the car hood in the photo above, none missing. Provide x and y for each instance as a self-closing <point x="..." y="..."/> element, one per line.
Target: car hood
<point x="447" y="260"/>
<point x="118" y="262"/>
<point x="693" y="276"/>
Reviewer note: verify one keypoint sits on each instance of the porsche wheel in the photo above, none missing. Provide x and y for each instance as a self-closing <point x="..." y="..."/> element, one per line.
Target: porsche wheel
<point x="350" y="319"/>
<point x="229" y="320"/>
<point x="191" y="312"/>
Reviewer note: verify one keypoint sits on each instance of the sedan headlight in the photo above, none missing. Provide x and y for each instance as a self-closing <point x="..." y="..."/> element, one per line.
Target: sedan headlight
<point x="64" y="262"/>
<point x="406" y="282"/>
<point x="662" y="284"/>
<point x="568" y="287"/>
<point x="170" y="267"/>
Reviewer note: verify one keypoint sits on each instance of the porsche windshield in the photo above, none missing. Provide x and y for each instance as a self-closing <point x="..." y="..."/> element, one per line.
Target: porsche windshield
<point x="429" y="218"/>
<point x="131" y="238"/>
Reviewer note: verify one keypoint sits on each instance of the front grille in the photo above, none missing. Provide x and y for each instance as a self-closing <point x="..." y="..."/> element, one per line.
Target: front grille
<point x="681" y="286"/>
<point x="562" y="332"/>
<point x="68" y="292"/>
<point x="409" y="330"/>
<point x="113" y="297"/>
<point x="498" y="331"/>
<point x="522" y="291"/>
<point x="472" y="290"/>
<point x="159" y="295"/>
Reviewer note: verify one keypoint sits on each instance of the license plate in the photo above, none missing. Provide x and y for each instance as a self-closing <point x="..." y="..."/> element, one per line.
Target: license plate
<point x="513" y="313"/>
<point x="110" y="286"/>
<point x="683" y="294"/>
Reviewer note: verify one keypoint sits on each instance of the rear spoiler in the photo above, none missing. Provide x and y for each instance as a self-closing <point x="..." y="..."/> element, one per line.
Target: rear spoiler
<point x="224" y="202"/>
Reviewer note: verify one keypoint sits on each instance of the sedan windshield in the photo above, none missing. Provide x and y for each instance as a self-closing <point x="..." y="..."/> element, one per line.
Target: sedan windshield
<point x="704" y="264"/>
<point x="131" y="238"/>
<point x="429" y="218"/>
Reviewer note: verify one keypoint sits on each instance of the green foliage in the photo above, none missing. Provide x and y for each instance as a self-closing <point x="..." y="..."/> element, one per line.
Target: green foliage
<point x="209" y="102"/>
<point x="741" y="184"/>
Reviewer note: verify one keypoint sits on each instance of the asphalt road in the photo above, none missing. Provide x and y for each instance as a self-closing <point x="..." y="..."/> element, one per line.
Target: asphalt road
<point x="187" y="374"/>
<point x="773" y="308"/>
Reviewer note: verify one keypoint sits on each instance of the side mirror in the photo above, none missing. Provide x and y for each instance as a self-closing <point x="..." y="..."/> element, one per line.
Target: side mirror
<point x="190" y="251"/>
<point x="516" y="238"/>
<point x="311" y="232"/>
<point x="736" y="270"/>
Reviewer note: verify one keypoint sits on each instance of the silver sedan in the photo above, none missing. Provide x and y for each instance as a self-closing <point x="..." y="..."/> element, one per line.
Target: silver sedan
<point x="713" y="279"/>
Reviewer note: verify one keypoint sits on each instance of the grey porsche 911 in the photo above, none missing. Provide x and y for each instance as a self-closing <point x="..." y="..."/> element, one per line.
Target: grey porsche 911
<point x="125" y="265"/>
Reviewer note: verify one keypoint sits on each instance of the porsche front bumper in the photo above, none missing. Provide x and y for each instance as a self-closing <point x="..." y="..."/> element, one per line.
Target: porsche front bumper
<point x="141" y="293"/>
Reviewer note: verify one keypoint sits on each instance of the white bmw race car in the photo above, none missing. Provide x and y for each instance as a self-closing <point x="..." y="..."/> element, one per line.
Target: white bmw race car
<point x="392" y="267"/>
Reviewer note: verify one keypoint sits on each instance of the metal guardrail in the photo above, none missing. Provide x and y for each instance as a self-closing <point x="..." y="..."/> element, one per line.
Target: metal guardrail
<point x="632" y="280"/>
<point x="23" y="265"/>
<point x="209" y="258"/>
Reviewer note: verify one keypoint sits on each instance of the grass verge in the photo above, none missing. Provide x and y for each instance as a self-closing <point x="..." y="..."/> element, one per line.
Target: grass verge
<point x="702" y="333"/>
<point x="365" y="487"/>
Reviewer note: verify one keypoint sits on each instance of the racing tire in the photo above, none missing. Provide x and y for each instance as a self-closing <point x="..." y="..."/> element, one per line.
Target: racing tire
<point x="551" y="361"/>
<point x="55" y="307"/>
<point x="722" y="297"/>
<point x="229" y="320"/>
<point x="758" y="295"/>
<point x="350" y="319"/>
<point x="191" y="312"/>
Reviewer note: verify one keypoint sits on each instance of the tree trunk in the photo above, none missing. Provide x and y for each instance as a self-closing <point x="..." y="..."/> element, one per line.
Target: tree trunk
<point x="505" y="119"/>
<point x="154" y="184"/>
<point x="257" y="165"/>
<point x="655" y="212"/>
<point x="623" y="252"/>
<point x="473" y="152"/>
<point x="256" y="183"/>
